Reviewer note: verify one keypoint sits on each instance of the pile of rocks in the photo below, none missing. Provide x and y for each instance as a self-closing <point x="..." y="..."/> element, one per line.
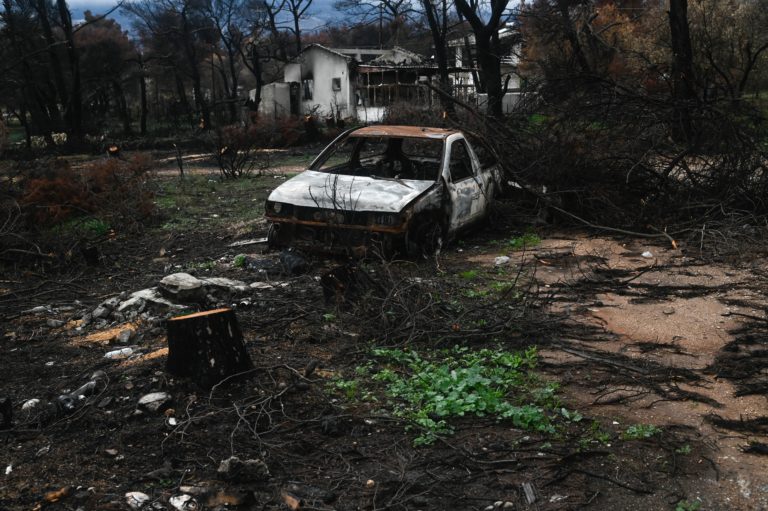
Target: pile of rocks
<point x="174" y="293"/>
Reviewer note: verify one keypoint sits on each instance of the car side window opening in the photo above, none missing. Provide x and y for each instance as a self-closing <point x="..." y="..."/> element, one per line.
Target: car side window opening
<point x="460" y="162"/>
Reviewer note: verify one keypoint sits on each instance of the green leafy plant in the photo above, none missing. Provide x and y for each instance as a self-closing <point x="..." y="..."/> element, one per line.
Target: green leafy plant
<point x="527" y="240"/>
<point x="684" y="505"/>
<point x="429" y="390"/>
<point x="473" y="293"/>
<point x="239" y="261"/>
<point x="329" y="317"/>
<point x="96" y="227"/>
<point x="469" y="274"/>
<point x="683" y="449"/>
<point x="640" y="432"/>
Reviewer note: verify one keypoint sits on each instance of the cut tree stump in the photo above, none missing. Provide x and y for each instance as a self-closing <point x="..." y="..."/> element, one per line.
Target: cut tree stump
<point x="207" y="347"/>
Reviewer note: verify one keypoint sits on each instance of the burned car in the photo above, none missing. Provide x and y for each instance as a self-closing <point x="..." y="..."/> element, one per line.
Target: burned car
<point x="397" y="188"/>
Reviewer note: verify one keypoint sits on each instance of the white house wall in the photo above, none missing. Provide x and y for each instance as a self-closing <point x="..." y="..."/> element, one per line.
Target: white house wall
<point x="323" y="66"/>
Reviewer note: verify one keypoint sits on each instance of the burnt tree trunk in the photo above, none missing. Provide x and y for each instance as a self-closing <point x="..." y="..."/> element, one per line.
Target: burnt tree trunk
<point x="207" y="347"/>
<point x="684" y="93"/>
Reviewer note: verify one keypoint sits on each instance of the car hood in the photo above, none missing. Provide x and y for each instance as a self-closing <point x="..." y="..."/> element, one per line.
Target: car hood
<point x="351" y="193"/>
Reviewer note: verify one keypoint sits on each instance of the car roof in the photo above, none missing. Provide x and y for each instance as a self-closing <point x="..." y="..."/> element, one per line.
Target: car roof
<point x="403" y="131"/>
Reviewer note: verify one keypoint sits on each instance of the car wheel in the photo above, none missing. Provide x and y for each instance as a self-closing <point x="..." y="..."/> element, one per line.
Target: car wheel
<point x="425" y="237"/>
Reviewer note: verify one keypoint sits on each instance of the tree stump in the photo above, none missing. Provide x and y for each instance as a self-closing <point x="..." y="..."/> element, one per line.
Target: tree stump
<point x="207" y="347"/>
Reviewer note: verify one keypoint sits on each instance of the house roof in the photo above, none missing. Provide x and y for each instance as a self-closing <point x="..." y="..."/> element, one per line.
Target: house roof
<point x="403" y="131"/>
<point x="398" y="57"/>
<point x="329" y="50"/>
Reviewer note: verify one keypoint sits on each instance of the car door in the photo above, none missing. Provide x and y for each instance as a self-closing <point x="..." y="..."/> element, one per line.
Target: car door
<point x="464" y="187"/>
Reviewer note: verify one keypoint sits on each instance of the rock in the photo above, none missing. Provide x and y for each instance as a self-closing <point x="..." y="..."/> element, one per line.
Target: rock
<point x="647" y="254"/>
<point x="87" y="318"/>
<point x="30" y="405"/>
<point x="154" y="402"/>
<point x="111" y="303"/>
<point x="182" y="287"/>
<point x="55" y="323"/>
<point x="150" y="296"/>
<point x="501" y="261"/>
<point x="119" y="354"/>
<point x="38" y="310"/>
<point x="125" y="335"/>
<point x="183" y="502"/>
<point x="669" y="311"/>
<point x="100" y="312"/>
<point x="136" y="499"/>
<point x="229" y="285"/>
<point x="235" y="469"/>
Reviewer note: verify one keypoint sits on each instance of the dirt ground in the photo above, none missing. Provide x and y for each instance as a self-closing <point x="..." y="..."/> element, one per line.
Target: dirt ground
<point x="662" y="339"/>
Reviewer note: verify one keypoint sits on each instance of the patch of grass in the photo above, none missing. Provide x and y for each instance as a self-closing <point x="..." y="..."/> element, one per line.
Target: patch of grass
<point x="201" y="201"/>
<point x="527" y="240"/>
<point x="640" y="432"/>
<point x="84" y="226"/>
<point x="683" y="449"/>
<point x="96" y="226"/>
<point x="594" y="435"/>
<point x="469" y="274"/>
<point x="239" y="261"/>
<point x="431" y="388"/>
<point x="684" y="505"/>
<point x="202" y="265"/>
<point x="473" y="293"/>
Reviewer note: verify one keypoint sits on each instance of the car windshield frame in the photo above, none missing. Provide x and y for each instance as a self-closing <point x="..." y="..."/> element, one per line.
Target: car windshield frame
<point x="361" y="139"/>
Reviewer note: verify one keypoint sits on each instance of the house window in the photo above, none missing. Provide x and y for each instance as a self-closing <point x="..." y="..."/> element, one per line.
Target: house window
<point x="307" y="88"/>
<point x="336" y="84"/>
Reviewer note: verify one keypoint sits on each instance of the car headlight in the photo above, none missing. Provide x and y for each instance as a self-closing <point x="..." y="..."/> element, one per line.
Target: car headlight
<point x="278" y="208"/>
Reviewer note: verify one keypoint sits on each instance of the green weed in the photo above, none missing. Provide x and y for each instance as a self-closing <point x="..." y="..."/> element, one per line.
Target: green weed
<point x="239" y="261"/>
<point x="527" y="240"/>
<point x="640" y="432"/>
<point x="429" y="390"/>
<point x="684" y="505"/>
<point x="469" y="274"/>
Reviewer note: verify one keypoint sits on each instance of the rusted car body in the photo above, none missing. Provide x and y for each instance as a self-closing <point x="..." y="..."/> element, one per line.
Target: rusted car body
<point x="392" y="187"/>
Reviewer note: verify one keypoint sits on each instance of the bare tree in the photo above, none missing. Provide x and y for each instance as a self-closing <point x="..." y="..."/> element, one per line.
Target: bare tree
<point x="185" y="28"/>
<point x="436" y="12"/>
<point x="488" y="46"/>
<point x="297" y="8"/>
<point x="393" y="12"/>
<point x="682" y="65"/>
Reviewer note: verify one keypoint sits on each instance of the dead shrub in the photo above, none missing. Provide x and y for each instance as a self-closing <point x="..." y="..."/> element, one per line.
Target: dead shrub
<point x="237" y="148"/>
<point x="116" y="191"/>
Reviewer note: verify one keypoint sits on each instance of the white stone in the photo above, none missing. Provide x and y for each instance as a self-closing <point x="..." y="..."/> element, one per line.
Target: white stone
<point x="154" y="401"/>
<point x="136" y="499"/>
<point x="501" y="260"/>
<point x="182" y="286"/>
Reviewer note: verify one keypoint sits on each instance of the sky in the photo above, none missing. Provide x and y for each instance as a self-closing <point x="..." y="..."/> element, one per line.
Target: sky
<point x="321" y="12"/>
